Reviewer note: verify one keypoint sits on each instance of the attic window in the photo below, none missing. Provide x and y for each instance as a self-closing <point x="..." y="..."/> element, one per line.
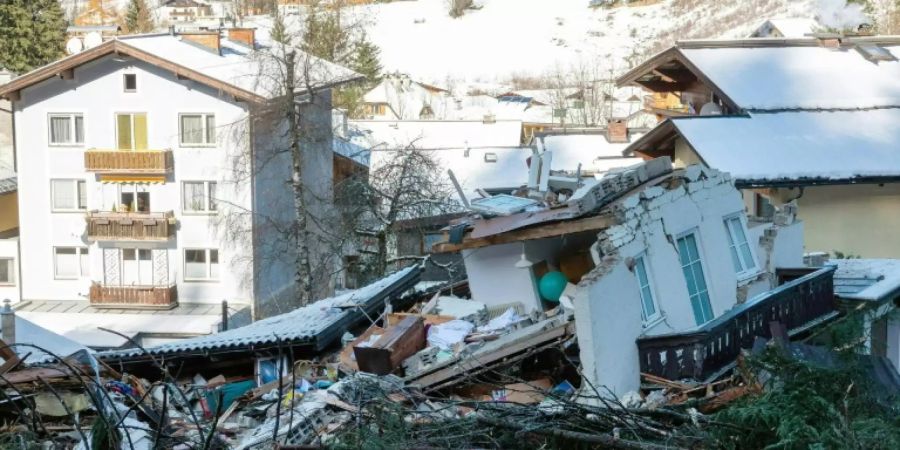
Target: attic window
<point x="130" y="81"/>
<point x="490" y="157"/>
<point x="875" y="53"/>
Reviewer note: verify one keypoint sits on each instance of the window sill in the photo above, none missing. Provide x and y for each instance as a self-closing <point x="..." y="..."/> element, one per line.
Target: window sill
<point x="5" y="284"/>
<point x="652" y="323"/>
<point x="196" y="147"/>
<point x="746" y="278"/>
<point x="69" y="278"/>
<point x="75" y="146"/>
<point x="200" y="213"/>
<point x="201" y="280"/>
<point x="68" y="211"/>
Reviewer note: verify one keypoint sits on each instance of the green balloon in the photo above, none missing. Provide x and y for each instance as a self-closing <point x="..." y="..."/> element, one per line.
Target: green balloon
<point x="552" y="285"/>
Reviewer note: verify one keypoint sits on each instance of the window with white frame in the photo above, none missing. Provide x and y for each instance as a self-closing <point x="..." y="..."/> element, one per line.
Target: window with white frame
<point x="201" y="264"/>
<point x="71" y="263"/>
<point x="197" y="130"/>
<point x="741" y="254"/>
<point x="199" y="196"/>
<point x="692" y="266"/>
<point x="69" y="195"/>
<point x="129" y="82"/>
<point x="649" y="312"/>
<point x="7" y="271"/>
<point x="66" y="129"/>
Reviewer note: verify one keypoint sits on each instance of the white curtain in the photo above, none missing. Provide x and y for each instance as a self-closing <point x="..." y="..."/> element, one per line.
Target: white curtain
<point x="195" y="264"/>
<point x="210" y="129"/>
<point x="79" y="129"/>
<point x="212" y="196"/>
<point x="66" y="263"/>
<point x="6" y="271"/>
<point x="63" y="194"/>
<point x="214" y="264"/>
<point x="191" y="129"/>
<point x="82" y="194"/>
<point x="193" y="196"/>
<point x="60" y="130"/>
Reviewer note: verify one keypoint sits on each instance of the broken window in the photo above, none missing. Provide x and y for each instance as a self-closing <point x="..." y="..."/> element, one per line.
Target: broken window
<point x="648" y="306"/>
<point x="692" y="266"/>
<point x="741" y="254"/>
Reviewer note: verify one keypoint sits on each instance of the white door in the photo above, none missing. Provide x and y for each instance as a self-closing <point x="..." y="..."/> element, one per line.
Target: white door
<point x="145" y="267"/>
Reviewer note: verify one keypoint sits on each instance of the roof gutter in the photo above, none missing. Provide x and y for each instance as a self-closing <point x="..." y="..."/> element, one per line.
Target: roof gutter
<point x="805" y="182"/>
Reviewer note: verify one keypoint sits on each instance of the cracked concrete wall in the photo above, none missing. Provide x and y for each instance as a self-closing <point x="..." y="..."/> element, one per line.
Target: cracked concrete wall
<point x="608" y="311"/>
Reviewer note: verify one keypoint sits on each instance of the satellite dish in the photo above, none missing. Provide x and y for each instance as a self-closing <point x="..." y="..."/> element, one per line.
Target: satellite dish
<point x="92" y="40"/>
<point x="74" y="46"/>
<point x="711" y="109"/>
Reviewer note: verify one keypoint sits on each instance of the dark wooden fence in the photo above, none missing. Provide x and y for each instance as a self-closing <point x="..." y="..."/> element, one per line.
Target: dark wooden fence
<point x="148" y="297"/>
<point x="703" y="351"/>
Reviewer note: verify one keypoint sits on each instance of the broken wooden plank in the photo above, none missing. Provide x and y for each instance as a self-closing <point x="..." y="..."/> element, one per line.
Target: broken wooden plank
<point x="541" y="231"/>
<point x="396" y="344"/>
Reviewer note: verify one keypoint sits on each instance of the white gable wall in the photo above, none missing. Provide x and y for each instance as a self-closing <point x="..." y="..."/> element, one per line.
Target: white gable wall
<point x="608" y="311"/>
<point x="97" y="93"/>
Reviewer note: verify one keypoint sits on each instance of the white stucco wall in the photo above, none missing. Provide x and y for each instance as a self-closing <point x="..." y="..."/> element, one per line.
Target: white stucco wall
<point x="608" y="311"/>
<point x="9" y="248"/>
<point x="97" y="93"/>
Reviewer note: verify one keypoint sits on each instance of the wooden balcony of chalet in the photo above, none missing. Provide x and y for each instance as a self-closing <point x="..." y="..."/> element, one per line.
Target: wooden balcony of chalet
<point x="128" y="162"/>
<point x="130" y="226"/>
<point x="706" y="351"/>
<point x="137" y="297"/>
<point x="665" y="104"/>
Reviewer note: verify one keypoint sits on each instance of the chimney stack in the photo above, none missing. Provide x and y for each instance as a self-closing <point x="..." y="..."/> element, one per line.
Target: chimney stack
<point x="8" y="323"/>
<point x="245" y="36"/>
<point x="617" y="131"/>
<point x="207" y="39"/>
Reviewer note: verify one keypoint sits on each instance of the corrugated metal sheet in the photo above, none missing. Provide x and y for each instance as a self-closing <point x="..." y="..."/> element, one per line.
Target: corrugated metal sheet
<point x="8" y="183"/>
<point x="317" y="324"/>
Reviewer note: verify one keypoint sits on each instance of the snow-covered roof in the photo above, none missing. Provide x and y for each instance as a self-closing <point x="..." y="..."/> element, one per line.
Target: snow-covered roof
<point x="866" y="279"/>
<point x="238" y="64"/>
<point x="434" y="134"/>
<point x="796" y="27"/>
<point x="302" y="325"/>
<point x="798" y="145"/>
<point x="791" y="77"/>
<point x="236" y="68"/>
<point x="29" y="334"/>
<point x="593" y="151"/>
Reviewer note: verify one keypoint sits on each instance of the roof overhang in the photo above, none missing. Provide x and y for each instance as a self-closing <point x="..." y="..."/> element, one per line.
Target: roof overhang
<point x="64" y="69"/>
<point x="807" y="182"/>
<point x="677" y="80"/>
<point x="654" y="142"/>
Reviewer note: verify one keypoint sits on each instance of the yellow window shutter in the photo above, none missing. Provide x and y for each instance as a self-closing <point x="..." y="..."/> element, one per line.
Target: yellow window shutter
<point x="140" y="131"/>
<point x="123" y="126"/>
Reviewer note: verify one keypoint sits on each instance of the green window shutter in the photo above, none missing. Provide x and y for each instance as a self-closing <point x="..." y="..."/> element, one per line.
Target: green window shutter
<point x="123" y="126"/>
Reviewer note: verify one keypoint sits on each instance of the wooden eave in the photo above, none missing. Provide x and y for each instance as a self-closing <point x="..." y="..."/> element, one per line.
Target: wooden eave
<point x="544" y="230"/>
<point x="65" y="66"/>
<point x="673" y="54"/>
<point x="649" y="144"/>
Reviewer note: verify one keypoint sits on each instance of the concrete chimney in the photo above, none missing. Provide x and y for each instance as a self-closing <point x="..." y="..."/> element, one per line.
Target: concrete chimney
<point x="245" y="36"/>
<point x="8" y="323"/>
<point x="617" y="131"/>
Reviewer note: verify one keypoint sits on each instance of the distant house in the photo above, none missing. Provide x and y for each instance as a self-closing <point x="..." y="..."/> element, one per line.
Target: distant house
<point x="787" y="28"/>
<point x="97" y="13"/>
<point x="788" y="125"/>
<point x="185" y="10"/>
<point x="398" y="97"/>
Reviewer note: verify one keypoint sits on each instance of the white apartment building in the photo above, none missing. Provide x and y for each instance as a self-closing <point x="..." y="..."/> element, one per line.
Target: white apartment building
<point x="148" y="177"/>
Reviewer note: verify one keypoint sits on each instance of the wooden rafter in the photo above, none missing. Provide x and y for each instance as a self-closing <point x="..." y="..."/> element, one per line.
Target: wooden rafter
<point x="551" y="229"/>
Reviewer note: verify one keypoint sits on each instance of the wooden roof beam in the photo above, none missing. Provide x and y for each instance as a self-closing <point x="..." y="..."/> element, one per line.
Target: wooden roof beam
<point x="663" y="86"/>
<point x="546" y="230"/>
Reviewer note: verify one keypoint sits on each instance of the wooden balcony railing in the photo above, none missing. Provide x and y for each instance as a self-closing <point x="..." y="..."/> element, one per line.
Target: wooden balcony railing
<point x="116" y="226"/>
<point x="143" y="297"/>
<point x="129" y="162"/>
<point x="705" y="350"/>
<point x="662" y="105"/>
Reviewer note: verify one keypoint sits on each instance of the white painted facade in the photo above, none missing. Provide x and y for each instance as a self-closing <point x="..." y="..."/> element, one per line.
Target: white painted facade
<point x="162" y="98"/>
<point x="9" y="269"/>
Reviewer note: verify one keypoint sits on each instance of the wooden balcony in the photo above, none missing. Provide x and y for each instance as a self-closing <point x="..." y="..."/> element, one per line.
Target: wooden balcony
<point x="138" y="297"/>
<point x="704" y="351"/>
<point x="665" y="106"/>
<point x="115" y="226"/>
<point x="145" y="162"/>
